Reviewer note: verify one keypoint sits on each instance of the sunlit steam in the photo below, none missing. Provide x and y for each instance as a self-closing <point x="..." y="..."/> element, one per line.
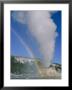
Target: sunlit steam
<point x="43" y="29"/>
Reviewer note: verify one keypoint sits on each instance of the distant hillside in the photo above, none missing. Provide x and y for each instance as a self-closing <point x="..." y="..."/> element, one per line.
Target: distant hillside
<point x="25" y="68"/>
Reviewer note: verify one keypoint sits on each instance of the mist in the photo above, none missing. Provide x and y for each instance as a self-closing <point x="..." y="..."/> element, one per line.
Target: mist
<point x="43" y="29"/>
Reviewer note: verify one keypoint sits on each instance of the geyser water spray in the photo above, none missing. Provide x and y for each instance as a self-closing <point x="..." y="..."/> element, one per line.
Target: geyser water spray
<point x="43" y="29"/>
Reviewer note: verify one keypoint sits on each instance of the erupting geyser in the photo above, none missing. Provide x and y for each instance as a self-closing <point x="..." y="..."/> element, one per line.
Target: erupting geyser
<point x="43" y="29"/>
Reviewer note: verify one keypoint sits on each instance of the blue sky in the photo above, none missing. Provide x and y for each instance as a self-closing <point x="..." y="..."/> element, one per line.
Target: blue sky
<point x="23" y="32"/>
<point x="57" y="19"/>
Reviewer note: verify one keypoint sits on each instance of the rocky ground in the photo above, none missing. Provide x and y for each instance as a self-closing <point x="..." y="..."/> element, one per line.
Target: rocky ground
<point x="34" y="70"/>
<point x="53" y="72"/>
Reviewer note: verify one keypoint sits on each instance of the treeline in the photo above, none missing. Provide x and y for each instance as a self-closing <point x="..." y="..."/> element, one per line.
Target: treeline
<point x="15" y="66"/>
<point x="19" y="68"/>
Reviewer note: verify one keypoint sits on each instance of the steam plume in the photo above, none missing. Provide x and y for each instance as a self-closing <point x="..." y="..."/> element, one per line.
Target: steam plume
<point x="43" y="29"/>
